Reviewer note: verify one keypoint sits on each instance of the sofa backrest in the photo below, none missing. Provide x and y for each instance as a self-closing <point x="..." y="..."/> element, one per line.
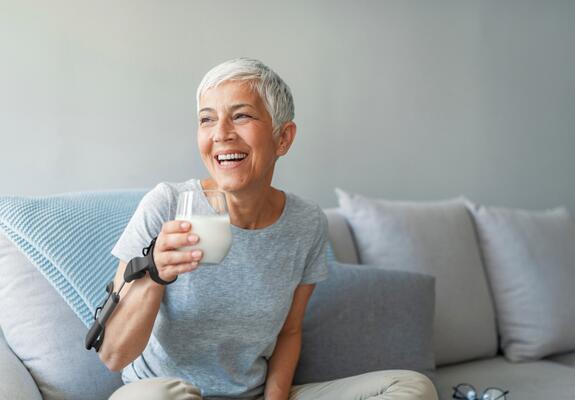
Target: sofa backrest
<point x="340" y="237"/>
<point x="438" y="239"/>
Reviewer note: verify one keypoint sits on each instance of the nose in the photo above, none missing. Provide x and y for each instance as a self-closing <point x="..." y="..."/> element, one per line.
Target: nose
<point x="223" y="131"/>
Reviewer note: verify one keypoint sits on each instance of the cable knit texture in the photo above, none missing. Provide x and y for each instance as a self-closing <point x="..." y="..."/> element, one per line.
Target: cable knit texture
<point x="68" y="237"/>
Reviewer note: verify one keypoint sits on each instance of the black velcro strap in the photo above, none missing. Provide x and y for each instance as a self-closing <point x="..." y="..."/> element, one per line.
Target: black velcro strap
<point x="153" y="271"/>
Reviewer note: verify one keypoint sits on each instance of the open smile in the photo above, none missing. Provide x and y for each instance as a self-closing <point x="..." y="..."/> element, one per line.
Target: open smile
<point x="230" y="160"/>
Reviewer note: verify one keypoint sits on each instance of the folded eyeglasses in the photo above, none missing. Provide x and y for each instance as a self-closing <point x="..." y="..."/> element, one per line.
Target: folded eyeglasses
<point x="465" y="391"/>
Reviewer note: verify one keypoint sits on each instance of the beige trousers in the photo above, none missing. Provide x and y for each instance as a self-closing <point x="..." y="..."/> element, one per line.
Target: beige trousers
<point x="379" y="385"/>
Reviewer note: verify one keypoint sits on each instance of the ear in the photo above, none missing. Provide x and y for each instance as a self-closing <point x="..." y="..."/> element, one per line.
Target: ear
<point x="285" y="139"/>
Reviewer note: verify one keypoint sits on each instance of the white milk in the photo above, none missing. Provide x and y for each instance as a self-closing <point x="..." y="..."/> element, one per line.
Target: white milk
<point x="215" y="236"/>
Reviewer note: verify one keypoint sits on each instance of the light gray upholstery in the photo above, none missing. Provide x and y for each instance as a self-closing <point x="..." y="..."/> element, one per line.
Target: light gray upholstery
<point x="364" y="318"/>
<point x="530" y="263"/>
<point x="536" y="380"/>
<point x="15" y="381"/>
<point x="565" y="359"/>
<point x="46" y="335"/>
<point x="340" y="237"/>
<point x="550" y="379"/>
<point x="435" y="238"/>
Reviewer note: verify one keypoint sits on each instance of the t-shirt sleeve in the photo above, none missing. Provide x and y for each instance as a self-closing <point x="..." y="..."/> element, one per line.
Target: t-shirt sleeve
<point x="146" y="223"/>
<point x="316" y="263"/>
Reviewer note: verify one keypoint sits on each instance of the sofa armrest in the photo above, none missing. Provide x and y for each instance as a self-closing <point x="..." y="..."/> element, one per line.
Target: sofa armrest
<point x="16" y="383"/>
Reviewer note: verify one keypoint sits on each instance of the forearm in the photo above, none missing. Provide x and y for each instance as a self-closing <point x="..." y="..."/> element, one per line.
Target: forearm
<point x="282" y="366"/>
<point x="130" y="326"/>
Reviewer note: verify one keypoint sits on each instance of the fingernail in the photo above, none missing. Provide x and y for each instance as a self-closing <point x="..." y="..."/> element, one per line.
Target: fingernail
<point x="185" y="225"/>
<point x="192" y="238"/>
<point x="196" y="253"/>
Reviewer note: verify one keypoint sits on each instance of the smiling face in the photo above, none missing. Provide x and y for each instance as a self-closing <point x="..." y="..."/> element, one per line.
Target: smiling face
<point x="235" y="137"/>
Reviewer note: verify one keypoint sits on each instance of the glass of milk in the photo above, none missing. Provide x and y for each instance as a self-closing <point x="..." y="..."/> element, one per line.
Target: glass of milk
<point x="207" y="211"/>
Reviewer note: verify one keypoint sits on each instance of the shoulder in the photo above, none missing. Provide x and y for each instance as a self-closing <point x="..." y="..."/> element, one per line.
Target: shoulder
<point x="160" y="202"/>
<point x="177" y="187"/>
<point x="309" y="212"/>
<point x="169" y="191"/>
<point x="156" y="206"/>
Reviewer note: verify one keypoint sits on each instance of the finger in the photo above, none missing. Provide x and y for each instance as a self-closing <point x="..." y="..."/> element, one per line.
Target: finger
<point x="176" y="226"/>
<point x="179" y="257"/>
<point x="197" y="255"/>
<point x="183" y="268"/>
<point x="170" y="272"/>
<point x="176" y="240"/>
<point x="175" y="270"/>
<point x="173" y="257"/>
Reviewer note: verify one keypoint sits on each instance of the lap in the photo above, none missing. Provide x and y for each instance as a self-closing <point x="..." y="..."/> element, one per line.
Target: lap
<point x="157" y="389"/>
<point x="378" y="385"/>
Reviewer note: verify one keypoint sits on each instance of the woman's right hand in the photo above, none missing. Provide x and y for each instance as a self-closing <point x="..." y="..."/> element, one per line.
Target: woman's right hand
<point x="169" y="261"/>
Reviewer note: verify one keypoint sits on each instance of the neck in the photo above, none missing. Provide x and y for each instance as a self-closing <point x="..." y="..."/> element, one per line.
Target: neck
<point x="255" y="208"/>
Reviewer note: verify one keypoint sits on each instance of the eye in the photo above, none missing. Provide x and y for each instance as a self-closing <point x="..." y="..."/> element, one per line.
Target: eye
<point x="204" y="120"/>
<point x="242" y="116"/>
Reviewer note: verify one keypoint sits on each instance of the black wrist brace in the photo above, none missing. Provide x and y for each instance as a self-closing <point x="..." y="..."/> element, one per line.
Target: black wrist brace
<point x="138" y="266"/>
<point x="135" y="269"/>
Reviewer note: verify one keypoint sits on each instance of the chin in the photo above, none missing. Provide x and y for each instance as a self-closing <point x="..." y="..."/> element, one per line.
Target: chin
<point x="229" y="184"/>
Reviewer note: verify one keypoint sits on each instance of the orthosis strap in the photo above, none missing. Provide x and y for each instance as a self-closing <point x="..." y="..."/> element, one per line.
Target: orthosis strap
<point x="138" y="266"/>
<point x="135" y="269"/>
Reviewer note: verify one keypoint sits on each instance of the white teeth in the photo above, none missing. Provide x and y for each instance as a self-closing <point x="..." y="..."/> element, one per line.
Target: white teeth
<point x="235" y="156"/>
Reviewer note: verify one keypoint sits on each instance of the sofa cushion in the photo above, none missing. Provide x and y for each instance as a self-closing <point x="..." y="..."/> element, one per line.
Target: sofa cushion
<point x="530" y="260"/>
<point x="364" y="318"/>
<point x="15" y="381"/>
<point x="68" y="237"/>
<point x="45" y="333"/>
<point x="437" y="239"/>
<point x="567" y="359"/>
<point x="535" y="380"/>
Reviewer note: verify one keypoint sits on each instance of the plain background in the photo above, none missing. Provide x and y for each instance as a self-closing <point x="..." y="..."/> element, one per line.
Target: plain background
<point x="412" y="100"/>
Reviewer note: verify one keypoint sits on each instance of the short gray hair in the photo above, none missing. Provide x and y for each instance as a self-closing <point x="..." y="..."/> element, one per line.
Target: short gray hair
<point x="273" y="91"/>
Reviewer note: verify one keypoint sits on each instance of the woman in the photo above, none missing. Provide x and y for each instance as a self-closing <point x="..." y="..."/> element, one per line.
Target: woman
<point x="232" y="329"/>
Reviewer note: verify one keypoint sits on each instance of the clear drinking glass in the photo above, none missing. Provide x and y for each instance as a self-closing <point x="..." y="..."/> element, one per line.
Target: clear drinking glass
<point x="207" y="211"/>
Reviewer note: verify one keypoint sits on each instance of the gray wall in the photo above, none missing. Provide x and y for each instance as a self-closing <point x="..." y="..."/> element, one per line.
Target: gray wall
<point x="399" y="99"/>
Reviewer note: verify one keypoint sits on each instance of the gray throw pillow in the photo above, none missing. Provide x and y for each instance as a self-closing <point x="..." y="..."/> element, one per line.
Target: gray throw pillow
<point x="364" y="318"/>
<point x="46" y="335"/>
<point x="439" y="239"/>
<point x="530" y="260"/>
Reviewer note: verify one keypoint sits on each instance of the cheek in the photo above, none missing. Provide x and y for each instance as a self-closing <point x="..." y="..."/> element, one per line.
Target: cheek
<point x="262" y="141"/>
<point x="204" y="145"/>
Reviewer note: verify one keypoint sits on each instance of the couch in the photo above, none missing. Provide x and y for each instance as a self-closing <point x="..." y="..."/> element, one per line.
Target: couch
<point x="475" y="338"/>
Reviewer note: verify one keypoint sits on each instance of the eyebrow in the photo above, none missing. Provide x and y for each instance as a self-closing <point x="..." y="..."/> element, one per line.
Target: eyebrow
<point x="232" y="108"/>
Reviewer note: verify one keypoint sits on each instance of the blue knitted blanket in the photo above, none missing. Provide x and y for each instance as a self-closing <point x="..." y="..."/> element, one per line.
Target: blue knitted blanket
<point x="69" y="237"/>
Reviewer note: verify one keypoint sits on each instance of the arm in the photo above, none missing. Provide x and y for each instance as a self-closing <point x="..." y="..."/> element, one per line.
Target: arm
<point x="130" y="326"/>
<point x="284" y="359"/>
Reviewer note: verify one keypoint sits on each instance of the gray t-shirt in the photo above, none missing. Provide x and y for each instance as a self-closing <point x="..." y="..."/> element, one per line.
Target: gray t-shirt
<point x="217" y="326"/>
